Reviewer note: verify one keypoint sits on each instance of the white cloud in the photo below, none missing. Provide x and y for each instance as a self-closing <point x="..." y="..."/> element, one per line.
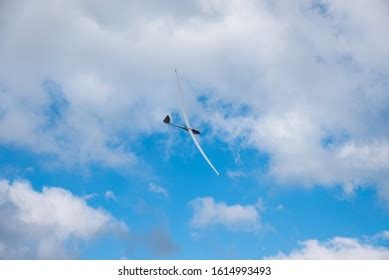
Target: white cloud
<point x="158" y="189"/>
<point x="207" y="212"/>
<point x="43" y="224"/>
<point x="300" y="158"/>
<point x="236" y="174"/>
<point x="110" y="195"/>
<point x="385" y="234"/>
<point x="89" y="196"/>
<point x="311" y="76"/>
<point x="260" y="205"/>
<point x="280" y="207"/>
<point x="337" y="248"/>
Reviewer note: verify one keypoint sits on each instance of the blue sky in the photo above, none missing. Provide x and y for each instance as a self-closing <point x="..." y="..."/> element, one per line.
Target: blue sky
<point x="291" y="100"/>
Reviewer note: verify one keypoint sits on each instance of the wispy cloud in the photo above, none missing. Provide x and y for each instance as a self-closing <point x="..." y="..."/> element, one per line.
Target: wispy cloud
<point x="280" y="207"/>
<point x="89" y="196"/>
<point x="236" y="174"/>
<point x="109" y="195"/>
<point x="154" y="188"/>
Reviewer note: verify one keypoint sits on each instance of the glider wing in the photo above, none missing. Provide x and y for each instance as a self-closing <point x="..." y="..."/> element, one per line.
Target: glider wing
<point x="190" y="131"/>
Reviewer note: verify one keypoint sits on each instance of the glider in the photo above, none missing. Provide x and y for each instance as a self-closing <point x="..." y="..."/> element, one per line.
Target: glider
<point x="188" y="128"/>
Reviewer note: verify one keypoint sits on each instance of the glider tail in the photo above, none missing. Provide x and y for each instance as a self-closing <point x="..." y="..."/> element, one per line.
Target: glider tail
<point x="166" y="119"/>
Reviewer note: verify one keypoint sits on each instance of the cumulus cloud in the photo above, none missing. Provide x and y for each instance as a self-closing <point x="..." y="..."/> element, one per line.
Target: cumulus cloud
<point x="337" y="248"/>
<point x="47" y="224"/>
<point x="302" y="81"/>
<point x="207" y="212"/>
